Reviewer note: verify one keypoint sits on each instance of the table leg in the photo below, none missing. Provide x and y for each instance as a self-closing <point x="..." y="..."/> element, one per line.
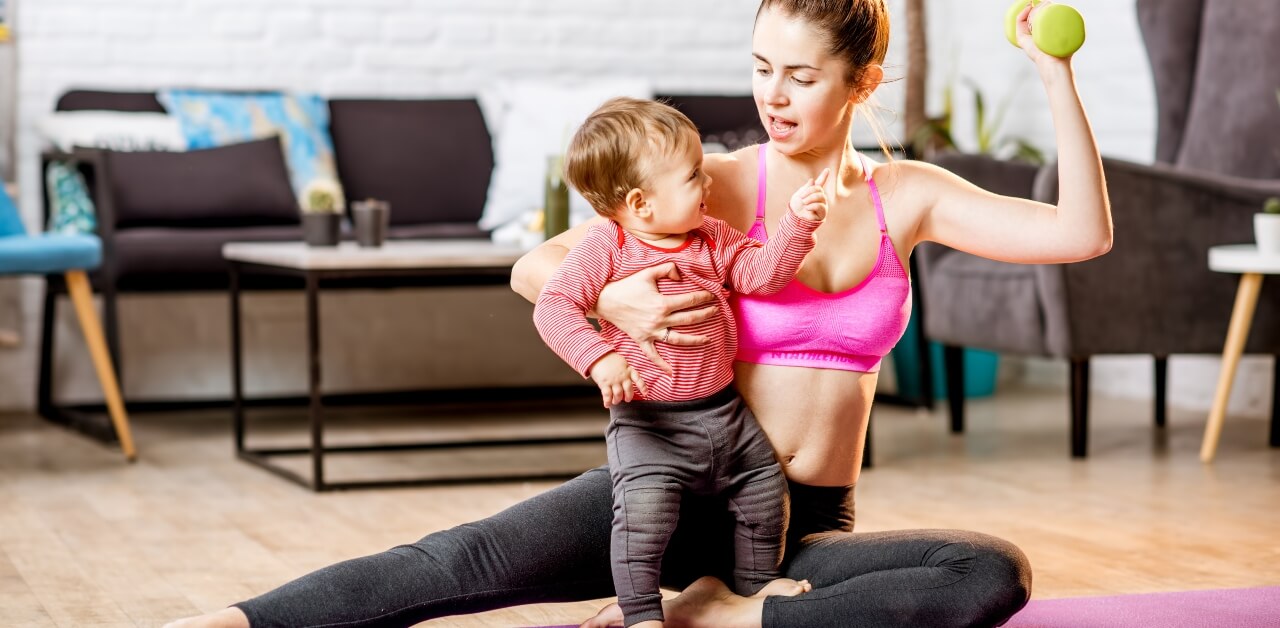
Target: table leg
<point x="313" y="360"/>
<point x="1237" y="334"/>
<point x="237" y="374"/>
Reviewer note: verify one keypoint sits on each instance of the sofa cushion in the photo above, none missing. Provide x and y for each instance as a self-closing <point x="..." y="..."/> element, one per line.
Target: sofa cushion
<point x="430" y="159"/>
<point x="153" y="258"/>
<point x="49" y="253"/>
<point x="241" y="184"/>
<point x="219" y="118"/>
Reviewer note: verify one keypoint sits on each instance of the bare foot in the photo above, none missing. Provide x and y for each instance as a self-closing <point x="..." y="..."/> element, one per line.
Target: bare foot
<point x="608" y="617"/>
<point x="226" y="618"/>
<point x="707" y="603"/>
<point x="785" y="587"/>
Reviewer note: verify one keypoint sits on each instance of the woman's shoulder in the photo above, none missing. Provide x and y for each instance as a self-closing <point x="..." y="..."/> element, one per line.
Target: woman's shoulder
<point x="733" y="186"/>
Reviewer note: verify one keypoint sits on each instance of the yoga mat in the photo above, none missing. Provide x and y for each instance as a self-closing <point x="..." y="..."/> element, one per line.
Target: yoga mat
<point x="1218" y="608"/>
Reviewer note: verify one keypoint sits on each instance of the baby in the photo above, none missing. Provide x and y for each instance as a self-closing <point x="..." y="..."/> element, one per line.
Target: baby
<point x="677" y="428"/>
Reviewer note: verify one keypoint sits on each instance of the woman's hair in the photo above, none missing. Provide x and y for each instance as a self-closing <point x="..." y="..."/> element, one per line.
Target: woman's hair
<point x="856" y="31"/>
<point x="615" y="149"/>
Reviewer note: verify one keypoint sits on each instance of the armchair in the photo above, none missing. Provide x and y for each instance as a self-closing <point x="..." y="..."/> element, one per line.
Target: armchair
<point x="1218" y="158"/>
<point x="69" y="256"/>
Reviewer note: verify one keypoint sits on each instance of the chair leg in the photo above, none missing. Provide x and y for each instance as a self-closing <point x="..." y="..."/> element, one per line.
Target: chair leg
<point x="953" y="364"/>
<point x="82" y="298"/>
<point x="44" y="388"/>
<point x="1162" y="380"/>
<point x="1079" y="407"/>
<point x="1275" y="404"/>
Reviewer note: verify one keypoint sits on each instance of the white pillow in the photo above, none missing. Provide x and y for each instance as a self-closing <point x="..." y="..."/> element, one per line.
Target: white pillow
<point x="530" y="121"/>
<point x="115" y="130"/>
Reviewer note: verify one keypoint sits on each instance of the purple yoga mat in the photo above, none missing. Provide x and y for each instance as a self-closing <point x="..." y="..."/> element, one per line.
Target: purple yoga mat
<point x="1238" y="608"/>
<point x="1219" y="608"/>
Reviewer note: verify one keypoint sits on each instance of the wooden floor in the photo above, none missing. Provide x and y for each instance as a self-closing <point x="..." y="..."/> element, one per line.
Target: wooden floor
<point x="88" y="540"/>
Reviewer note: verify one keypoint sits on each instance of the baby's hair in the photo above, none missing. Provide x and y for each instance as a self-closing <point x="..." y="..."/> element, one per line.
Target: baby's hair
<point x="616" y="148"/>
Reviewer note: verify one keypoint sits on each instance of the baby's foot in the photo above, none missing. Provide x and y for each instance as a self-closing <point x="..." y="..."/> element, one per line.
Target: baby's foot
<point x="785" y="587"/>
<point x="608" y="617"/>
<point x="611" y="617"/>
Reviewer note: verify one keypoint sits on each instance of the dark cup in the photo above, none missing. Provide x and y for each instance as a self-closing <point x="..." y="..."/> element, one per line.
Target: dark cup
<point x="371" y="218"/>
<point x="321" y="228"/>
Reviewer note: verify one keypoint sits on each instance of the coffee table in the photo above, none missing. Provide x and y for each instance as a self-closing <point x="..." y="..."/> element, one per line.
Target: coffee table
<point x="397" y="263"/>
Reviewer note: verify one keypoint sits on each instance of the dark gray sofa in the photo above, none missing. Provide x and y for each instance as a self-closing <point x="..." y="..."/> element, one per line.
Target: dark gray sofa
<point x="431" y="159"/>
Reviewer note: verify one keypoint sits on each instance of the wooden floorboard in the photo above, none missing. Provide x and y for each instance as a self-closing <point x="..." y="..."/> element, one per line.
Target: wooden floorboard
<point x="86" y="540"/>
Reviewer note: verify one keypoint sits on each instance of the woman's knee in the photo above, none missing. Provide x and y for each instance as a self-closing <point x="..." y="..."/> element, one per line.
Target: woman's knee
<point x="1000" y="578"/>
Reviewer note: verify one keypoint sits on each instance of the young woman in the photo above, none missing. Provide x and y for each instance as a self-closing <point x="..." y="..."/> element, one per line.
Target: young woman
<point x="807" y="367"/>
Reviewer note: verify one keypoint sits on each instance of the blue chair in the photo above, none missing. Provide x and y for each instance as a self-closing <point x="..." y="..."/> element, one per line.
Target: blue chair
<point x="72" y="256"/>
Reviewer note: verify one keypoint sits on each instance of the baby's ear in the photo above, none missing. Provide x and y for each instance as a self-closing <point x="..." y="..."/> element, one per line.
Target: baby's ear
<point x="636" y="205"/>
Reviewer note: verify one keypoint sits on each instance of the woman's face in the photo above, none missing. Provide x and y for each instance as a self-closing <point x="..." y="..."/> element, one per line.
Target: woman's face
<point x="801" y="90"/>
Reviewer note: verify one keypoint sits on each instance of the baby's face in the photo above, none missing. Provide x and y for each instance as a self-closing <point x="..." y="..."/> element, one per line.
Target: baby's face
<point x="678" y="191"/>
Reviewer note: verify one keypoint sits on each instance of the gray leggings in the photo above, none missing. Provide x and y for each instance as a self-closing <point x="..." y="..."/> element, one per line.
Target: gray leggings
<point x="660" y="451"/>
<point x="554" y="547"/>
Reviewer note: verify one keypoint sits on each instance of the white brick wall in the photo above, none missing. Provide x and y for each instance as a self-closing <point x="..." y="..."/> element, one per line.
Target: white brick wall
<point x="413" y="48"/>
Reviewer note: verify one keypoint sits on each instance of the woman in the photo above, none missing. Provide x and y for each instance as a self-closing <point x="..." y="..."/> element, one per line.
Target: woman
<point x="807" y="367"/>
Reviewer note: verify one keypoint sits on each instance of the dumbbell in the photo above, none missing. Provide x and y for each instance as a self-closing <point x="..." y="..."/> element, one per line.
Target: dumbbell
<point x="1057" y="29"/>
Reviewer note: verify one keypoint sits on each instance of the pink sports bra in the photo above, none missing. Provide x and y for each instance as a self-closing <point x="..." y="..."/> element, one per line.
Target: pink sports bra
<point x="850" y="330"/>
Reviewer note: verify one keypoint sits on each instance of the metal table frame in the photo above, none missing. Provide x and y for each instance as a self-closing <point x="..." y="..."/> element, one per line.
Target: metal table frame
<point x="313" y="279"/>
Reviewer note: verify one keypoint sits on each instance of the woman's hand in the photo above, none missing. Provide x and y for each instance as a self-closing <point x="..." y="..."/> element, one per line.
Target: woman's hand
<point x="636" y="307"/>
<point x="1028" y="44"/>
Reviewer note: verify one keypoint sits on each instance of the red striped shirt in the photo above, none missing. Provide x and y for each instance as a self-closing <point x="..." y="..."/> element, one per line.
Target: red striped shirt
<point x="715" y="257"/>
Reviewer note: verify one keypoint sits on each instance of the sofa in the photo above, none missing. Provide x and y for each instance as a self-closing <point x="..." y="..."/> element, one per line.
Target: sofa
<point x="161" y="237"/>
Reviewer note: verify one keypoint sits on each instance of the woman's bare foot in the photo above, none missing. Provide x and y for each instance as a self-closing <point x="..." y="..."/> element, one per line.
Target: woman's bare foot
<point x="226" y="618"/>
<point x="707" y="603"/>
<point x="786" y="587"/>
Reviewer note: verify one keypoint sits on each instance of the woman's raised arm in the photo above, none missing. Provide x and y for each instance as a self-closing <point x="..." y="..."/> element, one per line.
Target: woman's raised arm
<point x="1008" y="229"/>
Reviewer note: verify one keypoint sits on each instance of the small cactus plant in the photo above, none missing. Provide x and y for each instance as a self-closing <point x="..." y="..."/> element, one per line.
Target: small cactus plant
<point x="322" y="197"/>
<point x="1272" y="206"/>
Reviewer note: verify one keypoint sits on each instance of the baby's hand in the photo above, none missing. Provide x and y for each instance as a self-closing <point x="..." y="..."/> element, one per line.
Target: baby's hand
<point x="618" y="382"/>
<point x="810" y="201"/>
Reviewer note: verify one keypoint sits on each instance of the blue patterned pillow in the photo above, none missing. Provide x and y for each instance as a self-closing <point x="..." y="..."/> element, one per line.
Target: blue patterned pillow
<point x="211" y="119"/>
<point x="71" y="211"/>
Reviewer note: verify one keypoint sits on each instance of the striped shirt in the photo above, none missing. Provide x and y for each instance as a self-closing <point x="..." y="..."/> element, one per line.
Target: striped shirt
<point x="715" y="257"/>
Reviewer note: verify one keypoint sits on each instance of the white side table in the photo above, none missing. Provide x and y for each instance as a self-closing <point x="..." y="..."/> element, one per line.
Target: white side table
<point x="1252" y="265"/>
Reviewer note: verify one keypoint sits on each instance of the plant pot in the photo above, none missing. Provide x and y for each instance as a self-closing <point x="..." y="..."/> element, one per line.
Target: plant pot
<point x="321" y="229"/>
<point x="1266" y="232"/>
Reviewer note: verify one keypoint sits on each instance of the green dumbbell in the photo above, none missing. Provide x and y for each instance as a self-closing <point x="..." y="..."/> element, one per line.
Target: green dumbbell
<point x="1057" y="29"/>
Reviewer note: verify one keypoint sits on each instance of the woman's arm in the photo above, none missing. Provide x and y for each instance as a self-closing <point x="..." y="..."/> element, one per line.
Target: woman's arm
<point x="965" y="217"/>
<point x="532" y="270"/>
<point x="633" y="304"/>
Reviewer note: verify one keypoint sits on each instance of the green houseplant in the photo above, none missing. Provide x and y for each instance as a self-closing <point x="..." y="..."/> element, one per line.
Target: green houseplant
<point x="1266" y="224"/>
<point x="935" y="134"/>
<point x="1266" y="227"/>
<point x="322" y="211"/>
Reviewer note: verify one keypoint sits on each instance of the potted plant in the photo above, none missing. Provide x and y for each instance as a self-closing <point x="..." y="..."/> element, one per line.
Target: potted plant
<point x="322" y="213"/>
<point x="1266" y="227"/>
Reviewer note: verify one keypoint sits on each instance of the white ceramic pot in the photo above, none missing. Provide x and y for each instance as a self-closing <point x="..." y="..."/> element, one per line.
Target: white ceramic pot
<point x="1266" y="231"/>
